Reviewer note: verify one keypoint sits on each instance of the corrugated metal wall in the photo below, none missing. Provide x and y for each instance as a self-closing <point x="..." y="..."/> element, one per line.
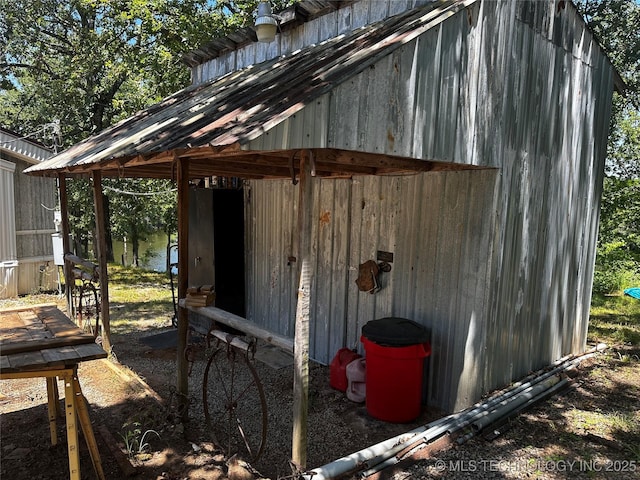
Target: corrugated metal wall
<point x="519" y="86"/>
<point x="345" y="19"/>
<point x="441" y="242"/>
<point x="7" y="212"/>
<point x="26" y="211"/>
<point x="8" y="266"/>
<point x="35" y="199"/>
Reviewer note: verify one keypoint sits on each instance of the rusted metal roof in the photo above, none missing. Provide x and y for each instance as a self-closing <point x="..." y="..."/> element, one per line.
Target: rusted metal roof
<point x="209" y="123"/>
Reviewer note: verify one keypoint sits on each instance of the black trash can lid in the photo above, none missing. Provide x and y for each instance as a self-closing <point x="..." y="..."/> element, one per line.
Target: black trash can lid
<point x="395" y="332"/>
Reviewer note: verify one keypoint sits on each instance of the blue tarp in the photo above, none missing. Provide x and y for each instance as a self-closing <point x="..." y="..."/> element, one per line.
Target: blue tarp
<point x="633" y="292"/>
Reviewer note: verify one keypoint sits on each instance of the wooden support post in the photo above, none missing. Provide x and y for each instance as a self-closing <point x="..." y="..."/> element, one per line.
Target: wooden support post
<point x="183" y="279"/>
<point x="98" y="201"/>
<point x="303" y="309"/>
<point x="66" y="244"/>
<point x="52" y="400"/>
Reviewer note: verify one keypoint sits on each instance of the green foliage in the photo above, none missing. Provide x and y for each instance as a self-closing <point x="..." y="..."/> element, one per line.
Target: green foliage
<point x="135" y="439"/>
<point x="618" y="257"/>
<point x="615" y="320"/>
<point x="615" y="24"/>
<point x="90" y="63"/>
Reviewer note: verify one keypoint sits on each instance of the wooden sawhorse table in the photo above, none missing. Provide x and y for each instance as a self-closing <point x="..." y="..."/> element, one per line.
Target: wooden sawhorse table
<point x="42" y="342"/>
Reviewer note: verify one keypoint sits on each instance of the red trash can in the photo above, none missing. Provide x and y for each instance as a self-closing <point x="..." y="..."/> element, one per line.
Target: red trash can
<point x="395" y="349"/>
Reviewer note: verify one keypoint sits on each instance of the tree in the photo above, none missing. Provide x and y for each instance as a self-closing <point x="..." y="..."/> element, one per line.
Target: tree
<point x="140" y="207"/>
<point x="90" y="63"/>
<point x="615" y="24"/>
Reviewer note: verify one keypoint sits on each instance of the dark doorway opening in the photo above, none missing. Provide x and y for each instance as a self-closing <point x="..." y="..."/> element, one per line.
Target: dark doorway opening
<point x="228" y="234"/>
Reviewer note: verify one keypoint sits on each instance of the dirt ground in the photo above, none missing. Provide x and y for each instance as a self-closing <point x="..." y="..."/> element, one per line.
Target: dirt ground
<point x="138" y="396"/>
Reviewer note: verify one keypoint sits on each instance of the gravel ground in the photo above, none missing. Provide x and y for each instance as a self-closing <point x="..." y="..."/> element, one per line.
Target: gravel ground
<point x="337" y="426"/>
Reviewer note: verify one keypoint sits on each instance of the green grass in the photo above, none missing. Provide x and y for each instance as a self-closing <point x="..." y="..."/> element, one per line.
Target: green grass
<point x="139" y="299"/>
<point x="615" y="320"/>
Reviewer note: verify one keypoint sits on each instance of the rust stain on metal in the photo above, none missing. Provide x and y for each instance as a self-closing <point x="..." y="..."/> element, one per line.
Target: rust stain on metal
<point x="325" y="218"/>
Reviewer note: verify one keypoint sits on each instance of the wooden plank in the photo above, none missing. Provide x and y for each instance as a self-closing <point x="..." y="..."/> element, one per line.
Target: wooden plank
<point x="29" y="317"/>
<point x="127" y="469"/>
<point x="58" y="357"/>
<point x="243" y="325"/>
<point x="90" y="351"/>
<point x="5" y="311"/>
<point x="10" y="321"/>
<point x="4" y="363"/>
<point x="24" y="346"/>
<point x="25" y="360"/>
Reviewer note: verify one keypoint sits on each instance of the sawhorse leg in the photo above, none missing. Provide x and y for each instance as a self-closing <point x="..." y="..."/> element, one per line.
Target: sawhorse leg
<point x="87" y="430"/>
<point x="72" y="429"/>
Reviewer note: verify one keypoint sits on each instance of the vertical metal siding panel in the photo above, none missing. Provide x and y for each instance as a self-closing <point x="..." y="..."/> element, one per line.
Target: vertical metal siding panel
<point x="8" y="248"/>
<point x="245" y="57"/>
<point x="271" y="211"/>
<point x="410" y="242"/>
<point x="398" y="6"/>
<point x="375" y="120"/>
<point x="296" y="130"/>
<point x="471" y="314"/>
<point x="369" y="235"/>
<point x="344" y="20"/>
<point x="465" y="151"/>
<point x="389" y="198"/>
<point x="327" y="26"/>
<point x="354" y="296"/>
<point x="343" y="118"/>
<point x="378" y="10"/>
<point x="360" y="13"/>
<point x="340" y="285"/>
<point x="429" y="88"/>
<point x="403" y="100"/>
<point x="545" y="198"/>
<point x="450" y="58"/>
<point x="426" y="290"/>
<point x="331" y="239"/>
<point x="319" y="132"/>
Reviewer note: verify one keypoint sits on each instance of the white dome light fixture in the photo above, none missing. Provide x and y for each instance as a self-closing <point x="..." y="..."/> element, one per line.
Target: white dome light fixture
<point x="266" y="23"/>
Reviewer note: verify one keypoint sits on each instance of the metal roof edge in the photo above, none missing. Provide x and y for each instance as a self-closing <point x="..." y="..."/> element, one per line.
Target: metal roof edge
<point x="24" y="148"/>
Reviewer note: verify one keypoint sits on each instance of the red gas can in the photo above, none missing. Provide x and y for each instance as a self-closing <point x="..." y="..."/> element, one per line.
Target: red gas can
<point x="338" y="370"/>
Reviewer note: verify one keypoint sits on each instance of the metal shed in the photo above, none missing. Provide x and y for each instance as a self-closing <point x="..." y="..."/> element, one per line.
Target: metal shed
<point x="465" y="137"/>
<point x="27" y="219"/>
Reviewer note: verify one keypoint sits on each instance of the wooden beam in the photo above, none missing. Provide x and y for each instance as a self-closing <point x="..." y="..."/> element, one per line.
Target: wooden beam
<point x="242" y="324"/>
<point x="303" y="312"/>
<point x="98" y="201"/>
<point x="183" y="279"/>
<point x="66" y="244"/>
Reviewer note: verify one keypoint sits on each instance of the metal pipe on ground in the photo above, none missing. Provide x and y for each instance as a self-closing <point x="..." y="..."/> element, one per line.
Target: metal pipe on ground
<point x="378" y="454"/>
<point x="417" y="445"/>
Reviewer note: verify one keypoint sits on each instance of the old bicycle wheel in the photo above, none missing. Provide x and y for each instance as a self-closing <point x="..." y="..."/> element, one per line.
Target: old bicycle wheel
<point x="88" y="312"/>
<point x="235" y="406"/>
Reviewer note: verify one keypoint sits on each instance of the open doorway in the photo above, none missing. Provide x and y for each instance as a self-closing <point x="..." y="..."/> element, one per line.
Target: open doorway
<point x="228" y="227"/>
